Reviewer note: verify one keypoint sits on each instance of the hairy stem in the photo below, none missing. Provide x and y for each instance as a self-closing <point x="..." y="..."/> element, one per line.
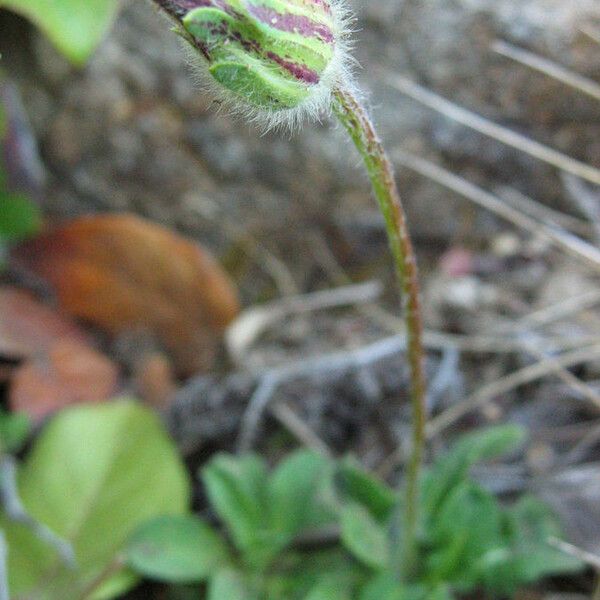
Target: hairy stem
<point x="356" y="121"/>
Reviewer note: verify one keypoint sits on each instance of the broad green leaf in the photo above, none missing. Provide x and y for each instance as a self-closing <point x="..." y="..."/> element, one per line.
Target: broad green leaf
<point x="306" y="569"/>
<point x="355" y="484"/>
<point x="329" y="589"/>
<point x="19" y="217"/>
<point x="237" y="489"/>
<point x="294" y="494"/>
<point x="14" y="429"/>
<point x="527" y="555"/>
<point x="453" y="468"/>
<point x="177" y="549"/>
<point x="364" y="537"/>
<point x="383" y="587"/>
<point x="386" y="587"/>
<point x="75" y="27"/>
<point x="93" y="476"/>
<point x="530" y="521"/>
<point x="468" y="525"/>
<point x="229" y="585"/>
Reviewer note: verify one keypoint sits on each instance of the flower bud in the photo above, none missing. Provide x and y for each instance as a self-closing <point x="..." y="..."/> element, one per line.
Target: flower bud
<point x="269" y="55"/>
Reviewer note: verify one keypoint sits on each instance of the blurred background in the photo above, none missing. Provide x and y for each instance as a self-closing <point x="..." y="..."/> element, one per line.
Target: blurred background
<point x="490" y="110"/>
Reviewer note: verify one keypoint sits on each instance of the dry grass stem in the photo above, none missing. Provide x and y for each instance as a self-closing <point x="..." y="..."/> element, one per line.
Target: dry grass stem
<point x="548" y="67"/>
<point x="571" y="244"/>
<point x="490" y="391"/>
<point x="502" y="134"/>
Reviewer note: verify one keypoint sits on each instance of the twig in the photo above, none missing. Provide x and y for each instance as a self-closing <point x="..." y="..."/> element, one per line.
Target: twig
<point x="113" y="567"/>
<point x="592" y="33"/>
<point x="576" y="454"/>
<point x="586" y="199"/>
<point x="548" y="67"/>
<point x="541" y="212"/>
<point x="244" y="331"/>
<point x="573" y="382"/>
<point x="488" y="392"/>
<point x="4" y="589"/>
<point x="555" y="312"/>
<point x="440" y="340"/>
<point x="593" y="560"/>
<point x="340" y="362"/>
<point x="487" y="127"/>
<point x="571" y="244"/>
<point x="9" y="498"/>
<point x="294" y="423"/>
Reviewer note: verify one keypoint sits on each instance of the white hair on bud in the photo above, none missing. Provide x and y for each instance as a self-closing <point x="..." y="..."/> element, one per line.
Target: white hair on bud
<point x="338" y="72"/>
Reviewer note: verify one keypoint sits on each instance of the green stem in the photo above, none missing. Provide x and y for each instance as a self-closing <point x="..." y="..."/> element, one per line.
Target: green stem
<point x="356" y="121"/>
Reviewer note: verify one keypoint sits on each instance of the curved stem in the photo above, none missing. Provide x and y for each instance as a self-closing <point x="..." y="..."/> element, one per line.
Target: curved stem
<point x="356" y="121"/>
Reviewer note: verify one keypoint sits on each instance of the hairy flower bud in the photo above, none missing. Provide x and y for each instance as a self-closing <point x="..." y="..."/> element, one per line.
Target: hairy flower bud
<point x="268" y="56"/>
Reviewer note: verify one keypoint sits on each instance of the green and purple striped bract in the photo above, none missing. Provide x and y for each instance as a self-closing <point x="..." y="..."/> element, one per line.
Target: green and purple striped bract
<point x="275" y="55"/>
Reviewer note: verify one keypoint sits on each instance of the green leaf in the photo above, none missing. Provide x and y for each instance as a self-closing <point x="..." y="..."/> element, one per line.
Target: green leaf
<point x="453" y="468"/>
<point x="14" y="429"/>
<point x="294" y="494"/>
<point x="364" y="537"/>
<point x="19" y="217"/>
<point x="355" y="484"/>
<point x="527" y="555"/>
<point x="94" y="475"/>
<point x="383" y="587"/>
<point x="468" y="525"/>
<point x="177" y="549"/>
<point x="229" y="585"/>
<point x="237" y="489"/>
<point x="75" y="27"/>
<point x="305" y="569"/>
<point x="329" y="589"/>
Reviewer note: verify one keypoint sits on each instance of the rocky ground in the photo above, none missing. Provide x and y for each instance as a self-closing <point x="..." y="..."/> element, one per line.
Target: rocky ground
<point x="291" y="214"/>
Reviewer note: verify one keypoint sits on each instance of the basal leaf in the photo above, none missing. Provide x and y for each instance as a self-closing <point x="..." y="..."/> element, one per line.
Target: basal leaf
<point x="237" y="489"/>
<point x="329" y="589"/>
<point x="468" y="525"/>
<point x="453" y="467"/>
<point x="294" y="493"/>
<point x="94" y="475"/>
<point x="177" y="549"/>
<point x="75" y="27"/>
<point x="229" y="584"/>
<point x="355" y="484"/>
<point x="383" y="587"/>
<point x="364" y="537"/>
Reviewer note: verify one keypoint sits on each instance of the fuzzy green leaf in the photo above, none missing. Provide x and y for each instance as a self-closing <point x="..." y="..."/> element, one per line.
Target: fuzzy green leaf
<point x="468" y="525"/>
<point x="94" y="475"/>
<point x="294" y="493"/>
<point x="229" y="584"/>
<point x="237" y="489"/>
<point x="355" y="484"/>
<point x="383" y="587"/>
<point x="329" y="589"/>
<point x="177" y="549"/>
<point x="452" y="468"/>
<point x="75" y="27"/>
<point x="364" y="537"/>
<point x="527" y="555"/>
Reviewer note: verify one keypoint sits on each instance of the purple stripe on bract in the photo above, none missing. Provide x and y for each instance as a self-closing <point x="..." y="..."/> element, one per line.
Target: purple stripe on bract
<point x="292" y="23"/>
<point x="300" y="72"/>
<point x="324" y="4"/>
<point x="179" y="8"/>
